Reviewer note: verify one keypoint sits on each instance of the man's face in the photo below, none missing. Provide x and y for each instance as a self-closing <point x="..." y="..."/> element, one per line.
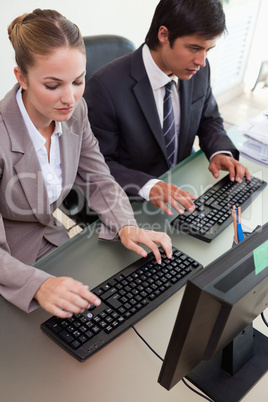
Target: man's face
<point x="185" y="57"/>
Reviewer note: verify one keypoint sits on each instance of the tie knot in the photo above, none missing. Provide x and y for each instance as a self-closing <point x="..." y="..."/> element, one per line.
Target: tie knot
<point x="169" y="85"/>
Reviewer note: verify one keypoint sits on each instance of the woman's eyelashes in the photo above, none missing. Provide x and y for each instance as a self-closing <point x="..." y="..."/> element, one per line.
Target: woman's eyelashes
<point x="53" y="87"/>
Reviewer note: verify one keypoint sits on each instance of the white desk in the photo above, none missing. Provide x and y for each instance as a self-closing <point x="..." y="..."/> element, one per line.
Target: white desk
<point x="34" y="369"/>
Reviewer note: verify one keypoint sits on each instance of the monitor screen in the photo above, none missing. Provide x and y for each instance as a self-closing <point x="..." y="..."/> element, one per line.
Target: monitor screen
<point x="213" y="343"/>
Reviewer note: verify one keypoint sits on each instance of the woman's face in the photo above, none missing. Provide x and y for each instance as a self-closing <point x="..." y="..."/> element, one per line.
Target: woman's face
<point x="53" y="86"/>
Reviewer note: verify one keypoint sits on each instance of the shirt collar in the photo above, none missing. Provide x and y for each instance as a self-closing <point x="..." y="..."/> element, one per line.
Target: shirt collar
<point x="157" y="77"/>
<point x="36" y="137"/>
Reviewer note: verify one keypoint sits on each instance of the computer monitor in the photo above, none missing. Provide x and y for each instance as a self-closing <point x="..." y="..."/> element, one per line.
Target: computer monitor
<point x="213" y="342"/>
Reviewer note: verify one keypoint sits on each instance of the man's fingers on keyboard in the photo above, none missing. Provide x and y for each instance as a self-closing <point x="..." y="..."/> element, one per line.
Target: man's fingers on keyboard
<point x="232" y="173"/>
<point x="165" y="208"/>
<point x="185" y="201"/>
<point x="241" y="172"/>
<point x="247" y="174"/>
<point x="237" y="172"/>
<point x="176" y="205"/>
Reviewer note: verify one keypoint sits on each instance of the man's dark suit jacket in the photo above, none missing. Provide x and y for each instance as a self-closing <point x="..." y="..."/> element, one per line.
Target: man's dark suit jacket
<point x="124" y="118"/>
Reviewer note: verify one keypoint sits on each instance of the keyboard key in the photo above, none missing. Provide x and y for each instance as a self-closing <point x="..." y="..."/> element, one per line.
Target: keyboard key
<point x="66" y="336"/>
<point x="114" y="301"/>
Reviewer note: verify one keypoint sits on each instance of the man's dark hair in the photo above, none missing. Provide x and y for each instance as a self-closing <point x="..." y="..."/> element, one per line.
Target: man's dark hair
<point x="187" y="17"/>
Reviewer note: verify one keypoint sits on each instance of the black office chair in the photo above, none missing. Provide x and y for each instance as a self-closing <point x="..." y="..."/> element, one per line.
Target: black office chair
<point x="100" y="50"/>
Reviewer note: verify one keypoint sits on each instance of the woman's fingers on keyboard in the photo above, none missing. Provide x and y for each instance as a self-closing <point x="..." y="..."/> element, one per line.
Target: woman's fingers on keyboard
<point x="132" y="236"/>
<point x="64" y="296"/>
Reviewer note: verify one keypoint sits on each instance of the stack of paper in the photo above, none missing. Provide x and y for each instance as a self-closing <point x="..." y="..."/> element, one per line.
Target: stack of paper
<point x="255" y="146"/>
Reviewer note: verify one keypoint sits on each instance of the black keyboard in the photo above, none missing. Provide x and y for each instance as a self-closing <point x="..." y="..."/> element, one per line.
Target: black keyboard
<point x="126" y="298"/>
<point x="213" y="209"/>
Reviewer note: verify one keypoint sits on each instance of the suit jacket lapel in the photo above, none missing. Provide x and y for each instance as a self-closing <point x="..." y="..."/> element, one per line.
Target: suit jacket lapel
<point x="27" y="168"/>
<point x="185" y="91"/>
<point x="145" y="98"/>
<point x="31" y="179"/>
<point x="69" y="141"/>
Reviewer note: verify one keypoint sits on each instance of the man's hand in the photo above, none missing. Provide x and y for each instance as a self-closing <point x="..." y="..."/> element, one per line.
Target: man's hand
<point x="65" y="296"/>
<point x="163" y="193"/>
<point x="236" y="170"/>
<point x="131" y="236"/>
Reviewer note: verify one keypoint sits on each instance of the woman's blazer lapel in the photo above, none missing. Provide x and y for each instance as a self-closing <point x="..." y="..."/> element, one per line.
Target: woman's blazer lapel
<point x="27" y="167"/>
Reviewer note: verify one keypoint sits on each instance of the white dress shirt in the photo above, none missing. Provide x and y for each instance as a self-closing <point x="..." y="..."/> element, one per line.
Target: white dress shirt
<point x="51" y="170"/>
<point x="158" y="79"/>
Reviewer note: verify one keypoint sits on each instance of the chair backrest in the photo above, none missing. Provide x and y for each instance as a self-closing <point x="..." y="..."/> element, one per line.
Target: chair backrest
<point x="101" y="49"/>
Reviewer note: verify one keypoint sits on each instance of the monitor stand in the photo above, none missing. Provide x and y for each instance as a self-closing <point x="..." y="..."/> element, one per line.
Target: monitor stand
<point x="235" y="370"/>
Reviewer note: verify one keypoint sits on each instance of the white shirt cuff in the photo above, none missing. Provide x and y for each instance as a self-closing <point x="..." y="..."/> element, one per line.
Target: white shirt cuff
<point x="221" y="152"/>
<point x="145" y="190"/>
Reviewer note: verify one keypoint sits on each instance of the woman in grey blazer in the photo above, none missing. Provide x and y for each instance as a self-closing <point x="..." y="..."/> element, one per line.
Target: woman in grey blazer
<point x="46" y="146"/>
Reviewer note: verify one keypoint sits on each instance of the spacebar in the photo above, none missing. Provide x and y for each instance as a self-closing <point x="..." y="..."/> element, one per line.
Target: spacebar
<point x="93" y="343"/>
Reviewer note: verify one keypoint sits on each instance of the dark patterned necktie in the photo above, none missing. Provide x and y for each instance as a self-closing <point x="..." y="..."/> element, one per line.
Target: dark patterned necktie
<point x="169" y="124"/>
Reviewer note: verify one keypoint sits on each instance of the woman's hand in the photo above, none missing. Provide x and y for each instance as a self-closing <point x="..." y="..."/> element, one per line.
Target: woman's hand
<point x="131" y="236"/>
<point x="65" y="296"/>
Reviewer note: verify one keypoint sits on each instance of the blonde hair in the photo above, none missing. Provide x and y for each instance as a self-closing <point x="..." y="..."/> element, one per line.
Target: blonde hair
<point x="40" y="33"/>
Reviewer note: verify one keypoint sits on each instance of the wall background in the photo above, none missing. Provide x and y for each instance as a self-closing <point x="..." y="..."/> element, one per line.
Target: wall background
<point x="122" y="17"/>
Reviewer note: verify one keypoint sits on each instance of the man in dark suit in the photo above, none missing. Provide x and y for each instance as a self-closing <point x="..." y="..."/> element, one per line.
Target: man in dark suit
<point x="126" y="102"/>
